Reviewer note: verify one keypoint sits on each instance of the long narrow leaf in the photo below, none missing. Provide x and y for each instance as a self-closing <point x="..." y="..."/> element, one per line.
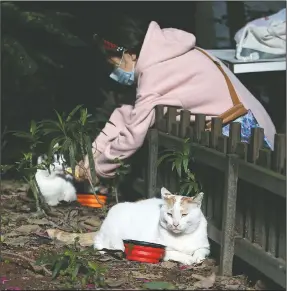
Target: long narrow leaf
<point x="57" y="269"/>
<point x="60" y="119"/>
<point x="72" y="154"/>
<point x="73" y="112"/>
<point x="164" y="157"/>
<point x="33" y="127"/>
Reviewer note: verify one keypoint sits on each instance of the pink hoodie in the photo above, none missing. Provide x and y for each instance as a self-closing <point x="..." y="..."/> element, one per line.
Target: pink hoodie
<point x="170" y="72"/>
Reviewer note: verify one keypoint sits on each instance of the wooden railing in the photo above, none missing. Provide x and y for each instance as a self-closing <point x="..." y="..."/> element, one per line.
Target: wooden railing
<point x="244" y="186"/>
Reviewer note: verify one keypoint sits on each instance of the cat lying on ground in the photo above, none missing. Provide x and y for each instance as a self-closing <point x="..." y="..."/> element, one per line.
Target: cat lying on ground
<point x="174" y="221"/>
<point x="57" y="185"/>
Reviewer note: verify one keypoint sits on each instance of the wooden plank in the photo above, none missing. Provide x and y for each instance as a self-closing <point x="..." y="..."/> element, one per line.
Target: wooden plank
<point x="272" y="227"/>
<point x="173" y="182"/>
<point x="241" y="150"/>
<point x="256" y="143"/>
<point x="267" y="179"/>
<point x="282" y="231"/>
<point x="249" y="172"/>
<point x="205" y="137"/>
<point x="264" y="159"/>
<point x="175" y="128"/>
<point x="260" y="217"/>
<point x="210" y="194"/>
<point x="216" y="131"/>
<point x="171" y="118"/>
<point x="213" y="232"/>
<point x="222" y="144"/>
<point x="249" y="215"/>
<point x="159" y="112"/>
<point x="234" y="137"/>
<point x="240" y="211"/>
<point x="228" y="218"/>
<point x="152" y="163"/>
<point x="189" y="133"/>
<point x="271" y="267"/>
<point x="184" y="122"/>
<point x="218" y="190"/>
<point x="162" y="125"/>
<point x="199" y="127"/>
<point x="279" y="153"/>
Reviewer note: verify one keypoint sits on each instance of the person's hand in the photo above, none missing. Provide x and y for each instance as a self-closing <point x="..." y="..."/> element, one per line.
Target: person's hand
<point x="82" y="170"/>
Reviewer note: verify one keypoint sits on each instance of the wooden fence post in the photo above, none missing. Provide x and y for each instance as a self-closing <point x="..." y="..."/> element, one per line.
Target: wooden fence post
<point x="228" y="219"/>
<point x="152" y="162"/>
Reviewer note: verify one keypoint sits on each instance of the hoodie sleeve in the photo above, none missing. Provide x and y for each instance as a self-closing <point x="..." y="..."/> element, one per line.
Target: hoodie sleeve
<point x="113" y="127"/>
<point x="128" y="140"/>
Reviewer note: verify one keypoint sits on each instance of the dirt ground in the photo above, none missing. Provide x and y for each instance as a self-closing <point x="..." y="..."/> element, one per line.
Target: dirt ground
<point x="24" y="239"/>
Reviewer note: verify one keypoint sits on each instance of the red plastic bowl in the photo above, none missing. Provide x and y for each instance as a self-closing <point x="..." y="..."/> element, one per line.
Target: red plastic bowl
<point x="143" y="251"/>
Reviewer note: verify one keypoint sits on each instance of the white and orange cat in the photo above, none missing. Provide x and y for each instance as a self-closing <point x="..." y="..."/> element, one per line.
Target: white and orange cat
<point x="174" y="221"/>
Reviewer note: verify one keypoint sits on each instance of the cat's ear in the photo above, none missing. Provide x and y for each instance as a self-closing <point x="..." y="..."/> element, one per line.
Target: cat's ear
<point x="40" y="160"/>
<point x="55" y="158"/>
<point x="198" y="199"/>
<point x="164" y="193"/>
<point x="62" y="159"/>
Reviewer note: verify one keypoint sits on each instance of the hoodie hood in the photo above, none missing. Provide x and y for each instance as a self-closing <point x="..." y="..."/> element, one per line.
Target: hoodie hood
<point x="163" y="44"/>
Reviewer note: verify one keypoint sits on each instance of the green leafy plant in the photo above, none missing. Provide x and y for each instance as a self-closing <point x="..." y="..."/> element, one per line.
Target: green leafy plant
<point x="121" y="172"/>
<point x="63" y="134"/>
<point x="77" y="265"/>
<point x="26" y="166"/>
<point x="179" y="160"/>
<point x="71" y="134"/>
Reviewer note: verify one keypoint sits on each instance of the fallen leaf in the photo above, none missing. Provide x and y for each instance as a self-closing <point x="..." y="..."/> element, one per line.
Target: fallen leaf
<point x="36" y="268"/>
<point x="104" y="258"/>
<point x="204" y="282"/>
<point x="140" y="275"/>
<point x="11" y="234"/>
<point x="23" y="189"/>
<point x="158" y="286"/>
<point x="115" y="283"/>
<point x="27" y="229"/>
<point x="168" y="265"/>
<point x="21" y="218"/>
<point x="24" y="208"/>
<point x="42" y="221"/>
<point x="17" y="241"/>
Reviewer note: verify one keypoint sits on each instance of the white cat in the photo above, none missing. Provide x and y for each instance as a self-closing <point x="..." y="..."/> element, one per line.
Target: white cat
<point x="174" y="221"/>
<point x="55" y="186"/>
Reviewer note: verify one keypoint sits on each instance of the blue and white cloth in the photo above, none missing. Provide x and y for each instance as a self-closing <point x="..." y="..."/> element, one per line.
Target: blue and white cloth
<point x="247" y="121"/>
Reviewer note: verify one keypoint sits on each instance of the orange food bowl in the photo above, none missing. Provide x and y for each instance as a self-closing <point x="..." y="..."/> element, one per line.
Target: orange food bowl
<point x="91" y="201"/>
<point x="144" y="252"/>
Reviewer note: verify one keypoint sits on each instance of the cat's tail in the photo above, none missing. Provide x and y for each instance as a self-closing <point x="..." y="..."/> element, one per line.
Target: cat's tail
<point x="85" y="239"/>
